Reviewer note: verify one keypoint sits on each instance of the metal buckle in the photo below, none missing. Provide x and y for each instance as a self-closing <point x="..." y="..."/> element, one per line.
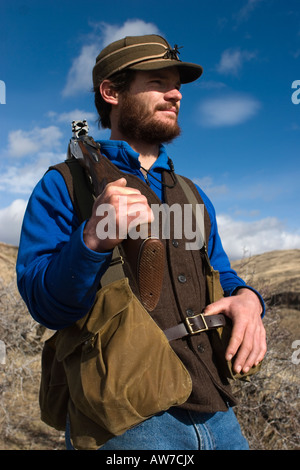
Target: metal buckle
<point x="190" y="324"/>
<point x="117" y="260"/>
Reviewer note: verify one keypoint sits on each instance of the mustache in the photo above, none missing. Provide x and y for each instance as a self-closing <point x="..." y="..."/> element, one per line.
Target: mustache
<point x="167" y="107"/>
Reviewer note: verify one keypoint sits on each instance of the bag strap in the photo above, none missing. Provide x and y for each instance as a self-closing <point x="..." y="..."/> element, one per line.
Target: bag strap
<point x="193" y="201"/>
<point x="115" y="270"/>
<point x="78" y="185"/>
<point x="214" y="286"/>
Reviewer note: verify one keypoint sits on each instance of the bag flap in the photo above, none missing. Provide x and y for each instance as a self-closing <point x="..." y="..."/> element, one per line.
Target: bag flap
<point x="110" y="301"/>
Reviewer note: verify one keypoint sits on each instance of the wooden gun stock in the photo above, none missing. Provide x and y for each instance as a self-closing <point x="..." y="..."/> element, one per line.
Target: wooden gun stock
<point x="146" y="255"/>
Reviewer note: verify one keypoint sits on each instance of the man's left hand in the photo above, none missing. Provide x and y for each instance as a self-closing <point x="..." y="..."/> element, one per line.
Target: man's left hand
<point x="248" y="339"/>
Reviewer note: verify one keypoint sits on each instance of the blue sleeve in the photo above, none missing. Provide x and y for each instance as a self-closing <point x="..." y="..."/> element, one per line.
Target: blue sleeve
<point x="230" y="281"/>
<point x="57" y="274"/>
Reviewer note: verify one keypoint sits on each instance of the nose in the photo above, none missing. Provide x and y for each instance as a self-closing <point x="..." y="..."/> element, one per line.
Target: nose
<point x="173" y="95"/>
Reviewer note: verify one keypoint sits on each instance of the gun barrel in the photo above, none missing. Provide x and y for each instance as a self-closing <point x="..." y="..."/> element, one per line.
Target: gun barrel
<point x="146" y="256"/>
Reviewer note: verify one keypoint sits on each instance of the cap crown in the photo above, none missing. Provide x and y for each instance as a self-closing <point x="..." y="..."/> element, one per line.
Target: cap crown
<point x="149" y="52"/>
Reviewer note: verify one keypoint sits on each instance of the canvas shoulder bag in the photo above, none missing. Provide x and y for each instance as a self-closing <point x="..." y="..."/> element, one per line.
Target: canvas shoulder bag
<point x="112" y="369"/>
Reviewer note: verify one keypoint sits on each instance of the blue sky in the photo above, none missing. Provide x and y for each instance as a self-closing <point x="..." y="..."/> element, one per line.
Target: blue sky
<point x="240" y="121"/>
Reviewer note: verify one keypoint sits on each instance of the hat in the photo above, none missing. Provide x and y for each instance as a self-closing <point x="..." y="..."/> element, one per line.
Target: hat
<point x="150" y="52"/>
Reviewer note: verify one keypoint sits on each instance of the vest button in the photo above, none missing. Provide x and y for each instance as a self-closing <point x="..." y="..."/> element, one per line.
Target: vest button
<point x="175" y="243"/>
<point x="201" y="348"/>
<point x="182" y="278"/>
<point x="189" y="312"/>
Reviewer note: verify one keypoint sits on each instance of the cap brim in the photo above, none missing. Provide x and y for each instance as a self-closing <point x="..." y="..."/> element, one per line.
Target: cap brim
<point x="188" y="72"/>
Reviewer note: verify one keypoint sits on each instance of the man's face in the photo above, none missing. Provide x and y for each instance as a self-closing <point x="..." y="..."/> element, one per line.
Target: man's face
<point x="149" y="110"/>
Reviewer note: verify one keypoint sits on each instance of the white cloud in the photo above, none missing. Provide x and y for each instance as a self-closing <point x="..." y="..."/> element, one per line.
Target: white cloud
<point x="74" y="115"/>
<point x="67" y="117"/>
<point x="21" y="143"/>
<point x="41" y="147"/>
<point x="245" y="12"/>
<point x="232" y="60"/>
<point x="22" y="180"/>
<point x="133" y="27"/>
<point x="260" y="236"/>
<point x="79" y="78"/>
<point x="207" y="185"/>
<point x="211" y="85"/>
<point x="227" y="111"/>
<point x="11" y="219"/>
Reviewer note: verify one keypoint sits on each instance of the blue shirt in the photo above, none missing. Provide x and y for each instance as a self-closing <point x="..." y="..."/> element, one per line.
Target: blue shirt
<point x="57" y="274"/>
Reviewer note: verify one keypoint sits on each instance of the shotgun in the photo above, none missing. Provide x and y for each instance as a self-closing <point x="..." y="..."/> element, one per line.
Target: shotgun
<point x="146" y="255"/>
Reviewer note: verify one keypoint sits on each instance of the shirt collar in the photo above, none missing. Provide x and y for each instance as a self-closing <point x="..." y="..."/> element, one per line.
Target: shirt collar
<point x="126" y="159"/>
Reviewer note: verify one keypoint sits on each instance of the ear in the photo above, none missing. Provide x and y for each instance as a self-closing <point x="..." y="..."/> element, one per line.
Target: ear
<point x="108" y="92"/>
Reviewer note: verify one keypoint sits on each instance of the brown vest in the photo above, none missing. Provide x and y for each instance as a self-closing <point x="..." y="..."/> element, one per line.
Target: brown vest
<point x="184" y="287"/>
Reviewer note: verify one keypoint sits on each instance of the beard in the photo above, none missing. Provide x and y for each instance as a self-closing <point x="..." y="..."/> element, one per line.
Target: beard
<point x="136" y="122"/>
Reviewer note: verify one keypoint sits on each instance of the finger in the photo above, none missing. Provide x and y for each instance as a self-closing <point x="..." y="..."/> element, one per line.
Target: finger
<point x="141" y="209"/>
<point x="120" y="182"/>
<point x="220" y="306"/>
<point x="251" y="360"/>
<point x="257" y="354"/>
<point x="259" y="348"/>
<point x="138" y="224"/>
<point x="120" y="197"/>
<point x="236" y="339"/>
<point x="119" y="187"/>
<point x="247" y="351"/>
<point x="241" y="340"/>
<point x="102" y="185"/>
<point x="263" y="346"/>
<point x="134" y="206"/>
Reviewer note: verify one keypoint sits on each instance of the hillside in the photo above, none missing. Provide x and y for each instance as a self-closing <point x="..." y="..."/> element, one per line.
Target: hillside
<point x="8" y="257"/>
<point x="276" y="275"/>
<point x="279" y="270"/>
<point x="273" y="393"/>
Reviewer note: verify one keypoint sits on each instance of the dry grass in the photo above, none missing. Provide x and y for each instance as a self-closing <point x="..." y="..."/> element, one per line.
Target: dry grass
<point x="21" y="427"/>
<point x="269" y="405"/>
<point x="269" y="410"/>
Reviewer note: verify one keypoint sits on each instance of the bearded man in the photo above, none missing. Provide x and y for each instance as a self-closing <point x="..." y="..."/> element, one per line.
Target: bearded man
<point x="137" y="84"/>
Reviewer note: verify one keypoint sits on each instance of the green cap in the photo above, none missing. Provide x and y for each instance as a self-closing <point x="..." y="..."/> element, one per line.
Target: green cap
<point x="150" y="52"/>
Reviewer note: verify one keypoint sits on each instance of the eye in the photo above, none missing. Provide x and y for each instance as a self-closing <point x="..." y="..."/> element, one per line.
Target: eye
<point x="157" y="81"/>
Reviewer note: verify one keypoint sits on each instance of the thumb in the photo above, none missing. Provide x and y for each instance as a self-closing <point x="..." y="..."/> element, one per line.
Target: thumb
<point x="120" y="182"/>
<point x="215" y="308"/>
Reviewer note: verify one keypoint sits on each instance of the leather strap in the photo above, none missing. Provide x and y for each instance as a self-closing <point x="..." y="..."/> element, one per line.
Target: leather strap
<point x="194" y="325"/>
<point x="193" y="201"/>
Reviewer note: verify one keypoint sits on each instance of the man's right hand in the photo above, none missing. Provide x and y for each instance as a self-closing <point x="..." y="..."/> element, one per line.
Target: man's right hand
<point x="117" y="208"/>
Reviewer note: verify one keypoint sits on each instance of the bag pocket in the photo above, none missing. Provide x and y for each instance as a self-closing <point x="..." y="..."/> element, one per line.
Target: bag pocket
<point x="120" y="367"/>
<point x="220" y="336"/>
